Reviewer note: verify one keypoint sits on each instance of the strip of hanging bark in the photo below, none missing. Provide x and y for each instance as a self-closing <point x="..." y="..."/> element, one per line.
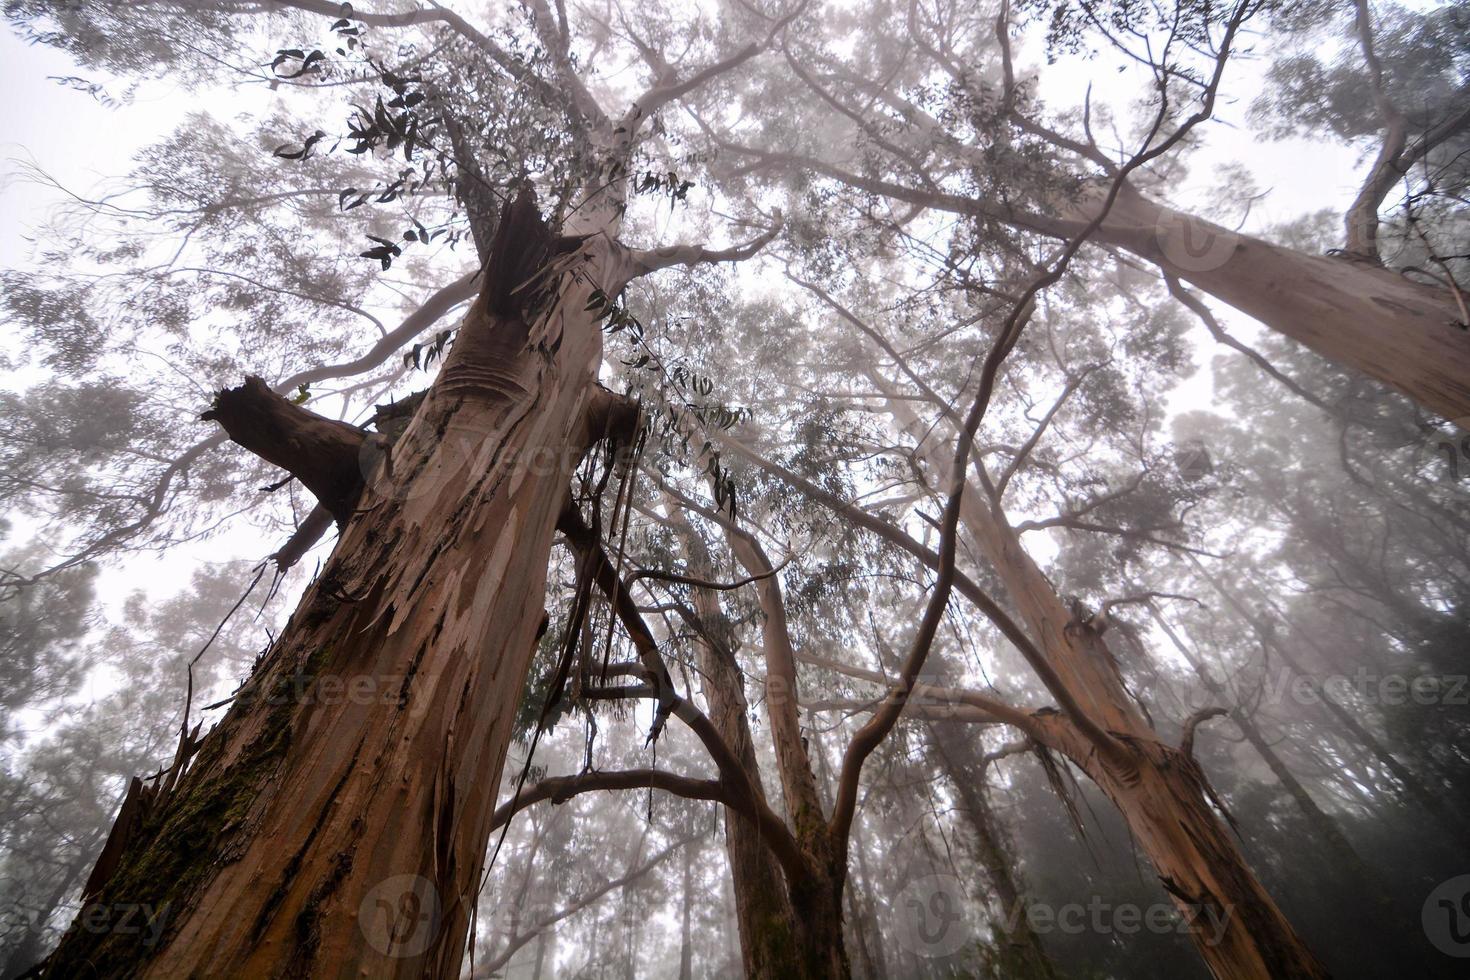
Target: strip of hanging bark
<point x="1186" y="742"/>
<point x="136" y="806"/>
<point x="322" y="453"/>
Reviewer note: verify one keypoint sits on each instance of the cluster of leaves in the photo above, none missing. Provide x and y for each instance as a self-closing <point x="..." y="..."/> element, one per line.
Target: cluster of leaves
<point x="422" y="356"/>
<point x="312" y="62"/>
<point x="677" y="418"/>
<point x="666" y="183"/>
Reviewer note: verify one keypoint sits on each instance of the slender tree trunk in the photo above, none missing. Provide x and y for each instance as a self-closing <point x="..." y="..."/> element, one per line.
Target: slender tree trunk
<point x="1236" y="926"/>
<point x="336" y="819"/>
<point x="1413" y="785"/>
<point x="31" y="948"/>
<point x="771" y="936"/>
<point x="1404" y="333"/>
<point x="1023" y="955"/>
<point x="864" y="922"/>
<point x="686" y="944"/>
<point x="542" y="941"/>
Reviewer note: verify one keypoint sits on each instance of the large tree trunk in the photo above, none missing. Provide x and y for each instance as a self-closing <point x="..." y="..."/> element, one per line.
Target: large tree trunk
<point x="1236" y="926"/>
<point x="335" y="822"/>
<point x="1406" y="334"/>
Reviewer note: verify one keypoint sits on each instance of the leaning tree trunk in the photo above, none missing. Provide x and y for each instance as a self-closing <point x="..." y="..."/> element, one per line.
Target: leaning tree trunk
<point x="335" y="821"/>
<point x="1409" y="335"/>
<point x="1022" y="954"/>
<point x="1160" y="791"/>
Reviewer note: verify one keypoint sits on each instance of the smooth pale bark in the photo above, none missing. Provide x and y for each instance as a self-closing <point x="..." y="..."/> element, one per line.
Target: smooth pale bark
<point x="1409" y="335"/>
<point x="335" y="821"/>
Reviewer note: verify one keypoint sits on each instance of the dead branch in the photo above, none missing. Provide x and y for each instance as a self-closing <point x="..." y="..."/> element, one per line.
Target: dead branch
<point x="324" y="454"/>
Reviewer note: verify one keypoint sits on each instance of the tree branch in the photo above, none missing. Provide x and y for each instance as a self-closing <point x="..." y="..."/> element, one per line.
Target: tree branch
<point x="515" y="942"/>
<point x="324" y="454"/>
<point x="651" y="260"/>
<point x="743" y="796"/>
<point x="1186" y="741"/>
<point x="559" y="789"/>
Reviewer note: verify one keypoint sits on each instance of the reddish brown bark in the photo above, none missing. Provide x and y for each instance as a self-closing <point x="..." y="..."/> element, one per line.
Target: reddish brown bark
<point x="336" y="819"/>
<point x="775" y="940"/>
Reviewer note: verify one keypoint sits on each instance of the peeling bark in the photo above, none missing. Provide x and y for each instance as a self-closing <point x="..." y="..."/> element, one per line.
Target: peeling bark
<point x="336" y="818"/>
<point x="1160" y="791"/>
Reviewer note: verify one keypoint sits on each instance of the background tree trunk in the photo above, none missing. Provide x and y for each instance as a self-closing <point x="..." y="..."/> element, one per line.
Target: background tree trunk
<point x="1023" y="955"/>
<point x="1406" y="334"/>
